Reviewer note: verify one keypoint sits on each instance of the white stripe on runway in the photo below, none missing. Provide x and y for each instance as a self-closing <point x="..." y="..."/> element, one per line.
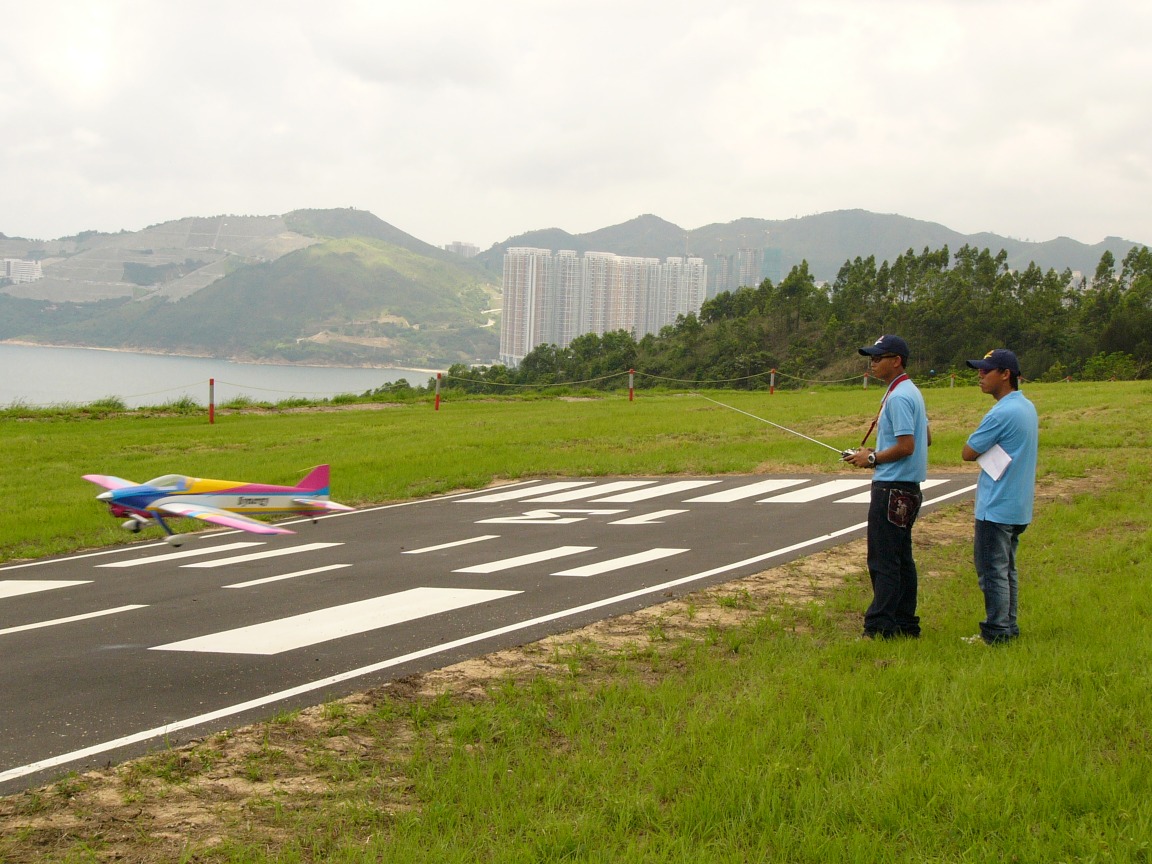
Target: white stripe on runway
<point x="742" y="492"/>
<point x="16" y="587"/>
<point x="268" y="553"/>
<point x="595" y="491"/>
<point x="648" y="518"/>
<point x="524" y="492"/>
<point x="659" y="491"/>
<point x="323" y="625"/>
<point x="175" y="556"/>
<point x="70" y="619"/>
<point x="479" y="539"/>
<point x="822" y="490"/>
<point x="522" y="560"/>
<point x="252" y="582"/>
<point x="621" y="562"/>
<point x="866" y="497"/>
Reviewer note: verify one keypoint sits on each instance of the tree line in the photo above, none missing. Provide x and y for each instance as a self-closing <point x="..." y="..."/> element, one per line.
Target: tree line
<point x="948" y="306"/>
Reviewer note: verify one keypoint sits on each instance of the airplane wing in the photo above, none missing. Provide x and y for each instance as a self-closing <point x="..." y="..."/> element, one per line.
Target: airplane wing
<point x="221" y="517"/>
<point x="108" y="481"/>
<point x="321" y="504"/>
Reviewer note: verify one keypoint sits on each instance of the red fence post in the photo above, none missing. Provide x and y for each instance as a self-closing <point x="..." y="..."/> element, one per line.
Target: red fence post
<point x="437" y="391"/>
<point x="772" y="383"/>
<point x="211" y="401"/>
<point x="631" y="383"/>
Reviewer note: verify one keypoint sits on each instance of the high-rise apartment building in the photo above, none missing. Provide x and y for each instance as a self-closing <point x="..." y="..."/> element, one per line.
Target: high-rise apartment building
<point x="18" y="270"/>
<point x="746" y="269"/>
<point x="551" y="298"/>
<point x="526" y="278"/>
<point x="466" y="250"/>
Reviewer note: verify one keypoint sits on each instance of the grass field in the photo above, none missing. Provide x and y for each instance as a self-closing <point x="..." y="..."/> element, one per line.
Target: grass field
<point x="744" y="723"/>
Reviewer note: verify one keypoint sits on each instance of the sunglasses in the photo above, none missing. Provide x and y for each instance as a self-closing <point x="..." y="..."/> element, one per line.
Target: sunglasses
<point x="876" y="358"/>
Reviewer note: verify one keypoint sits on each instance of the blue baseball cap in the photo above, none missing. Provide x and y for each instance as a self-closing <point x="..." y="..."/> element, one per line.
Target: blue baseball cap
<point x="886" y="345"/>
<point x="998" y="358"/>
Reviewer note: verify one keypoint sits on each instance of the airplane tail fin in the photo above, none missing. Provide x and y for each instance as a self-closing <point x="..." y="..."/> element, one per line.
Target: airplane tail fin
<point x="316" y="481"/>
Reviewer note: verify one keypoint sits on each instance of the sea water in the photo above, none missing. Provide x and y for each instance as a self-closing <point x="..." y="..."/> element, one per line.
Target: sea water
<point x="42" y="376"/>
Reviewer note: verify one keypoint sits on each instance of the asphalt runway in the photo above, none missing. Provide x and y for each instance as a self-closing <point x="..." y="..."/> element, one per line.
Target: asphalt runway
<point x="111" y="654"/>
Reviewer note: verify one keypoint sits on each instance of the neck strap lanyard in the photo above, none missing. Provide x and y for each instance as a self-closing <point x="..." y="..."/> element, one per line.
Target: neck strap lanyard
<point x="902" y="377"/>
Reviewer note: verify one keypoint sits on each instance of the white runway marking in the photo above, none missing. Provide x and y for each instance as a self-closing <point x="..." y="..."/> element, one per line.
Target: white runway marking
<point x="252" y="582"/>
<point x="621" y="562"/>
<point x="479" y="539"/>
<point x="70" y="619"/>
<point x="649" y="518"/>
<point x="323" y="625"/>
<point x="741" y="492"/>
<point x="119" y="550"/>
<point x="866" y="497"/>
<point x="523" y="560"/>
<point x="658" y="492"/>
<point x="16" y="587"/>
<point x="547" y="517"/>
<point x="176" y="556"/>
<point x="594" y="492"/>
<point x="525" y="492"/>
<point x="821" y="490"/>
<point x="268" y="553"/>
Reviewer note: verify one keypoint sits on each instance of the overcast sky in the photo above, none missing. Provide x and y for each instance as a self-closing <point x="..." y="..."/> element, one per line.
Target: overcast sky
<point x="482" y="119"/>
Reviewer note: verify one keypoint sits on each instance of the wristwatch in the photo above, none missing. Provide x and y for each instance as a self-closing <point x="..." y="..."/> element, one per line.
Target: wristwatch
<point x="872" y="459"/>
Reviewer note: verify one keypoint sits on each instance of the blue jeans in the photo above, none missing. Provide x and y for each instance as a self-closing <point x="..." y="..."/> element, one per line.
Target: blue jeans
<point x="890" y="564"/>
<point x="994" y="554"/>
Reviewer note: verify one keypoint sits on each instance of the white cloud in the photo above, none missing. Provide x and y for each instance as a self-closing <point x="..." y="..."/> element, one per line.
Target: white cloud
<point x="478" y="120"/>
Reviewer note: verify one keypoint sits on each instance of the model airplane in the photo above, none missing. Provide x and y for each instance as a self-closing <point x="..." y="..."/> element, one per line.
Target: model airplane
<point x="221" y="502"/>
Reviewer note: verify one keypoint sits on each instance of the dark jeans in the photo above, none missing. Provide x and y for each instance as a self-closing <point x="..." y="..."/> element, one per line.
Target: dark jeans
<point x="890" y="564"/>
<point x="994" y="554"/>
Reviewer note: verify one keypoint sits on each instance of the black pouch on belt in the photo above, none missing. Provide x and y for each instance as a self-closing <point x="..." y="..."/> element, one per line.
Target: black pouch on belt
<point x="903" y="507"/>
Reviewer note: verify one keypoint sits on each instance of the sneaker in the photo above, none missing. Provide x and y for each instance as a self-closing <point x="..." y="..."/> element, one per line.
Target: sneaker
<point x="973" y="640"/>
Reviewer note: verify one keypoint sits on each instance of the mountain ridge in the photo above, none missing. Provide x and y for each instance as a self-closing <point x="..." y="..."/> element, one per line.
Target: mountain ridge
<point x="825" y="240"/>
<point x="343" y="286"/>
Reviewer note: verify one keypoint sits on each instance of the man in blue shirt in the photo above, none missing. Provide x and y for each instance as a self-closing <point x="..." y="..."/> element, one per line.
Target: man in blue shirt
<point x="1005" y="443"/>
<point x="901" y="464"/>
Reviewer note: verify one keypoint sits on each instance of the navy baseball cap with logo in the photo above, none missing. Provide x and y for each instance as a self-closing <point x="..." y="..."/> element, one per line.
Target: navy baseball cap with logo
<point x="997" y="358"/>
<point x="886" y="345"/>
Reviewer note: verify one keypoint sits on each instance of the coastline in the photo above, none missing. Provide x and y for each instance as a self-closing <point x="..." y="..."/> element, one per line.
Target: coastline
<point x="238" y="360"/>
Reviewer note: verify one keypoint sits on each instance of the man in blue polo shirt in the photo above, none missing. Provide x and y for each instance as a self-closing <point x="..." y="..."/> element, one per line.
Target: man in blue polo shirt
<point x="1005" y="444"/>
<point x="900" y="462"/>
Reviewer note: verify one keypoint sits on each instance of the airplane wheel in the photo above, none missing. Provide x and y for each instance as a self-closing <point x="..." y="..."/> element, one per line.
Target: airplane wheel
<point x="133" y="526"/>
<point x="175" y="540"/>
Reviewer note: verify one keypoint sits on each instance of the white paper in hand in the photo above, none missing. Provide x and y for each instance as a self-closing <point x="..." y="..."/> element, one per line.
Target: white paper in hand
<point x="994" y="460"/>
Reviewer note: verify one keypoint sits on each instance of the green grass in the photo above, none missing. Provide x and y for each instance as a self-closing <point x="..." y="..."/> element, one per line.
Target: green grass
<point x="783" y="738"/>
<point x="410" y="450"/>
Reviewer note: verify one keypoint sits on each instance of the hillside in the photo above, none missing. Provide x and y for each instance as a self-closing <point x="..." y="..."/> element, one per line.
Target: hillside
<point x="313" y="286"/>
<point x="824" y="240"/>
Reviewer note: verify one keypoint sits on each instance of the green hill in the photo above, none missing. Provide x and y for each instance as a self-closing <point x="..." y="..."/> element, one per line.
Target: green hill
<point x="347" y="301"/>
<point x="358" y="291"/>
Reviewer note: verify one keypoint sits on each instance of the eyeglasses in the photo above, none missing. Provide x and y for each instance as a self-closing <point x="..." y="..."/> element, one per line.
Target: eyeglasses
<point x="876" y="358"/>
